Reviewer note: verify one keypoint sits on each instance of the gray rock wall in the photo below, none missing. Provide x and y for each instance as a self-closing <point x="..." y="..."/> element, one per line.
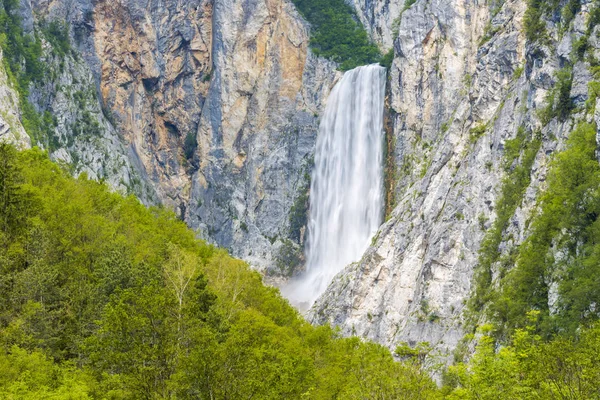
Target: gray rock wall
<point x="208" y="107"/>
<point x="11" y="129"/>
<point x="458" y="66"/>
<point x="258" y="129"/>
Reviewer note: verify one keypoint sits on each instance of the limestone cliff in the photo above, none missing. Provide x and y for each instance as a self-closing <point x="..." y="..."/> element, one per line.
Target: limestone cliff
<point x="208" y="107"/>
<point x="464" y="81"/>
<point x="257" y="129"/>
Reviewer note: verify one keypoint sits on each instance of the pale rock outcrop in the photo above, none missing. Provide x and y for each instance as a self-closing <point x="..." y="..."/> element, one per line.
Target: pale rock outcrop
<point x="457" y="67"/>
<point x="11" y="130"/>
<point x="381" y="18"/>
<point x="214" y="103"/>
<point x="83" y="137"/>
<point x="258" y="128"/>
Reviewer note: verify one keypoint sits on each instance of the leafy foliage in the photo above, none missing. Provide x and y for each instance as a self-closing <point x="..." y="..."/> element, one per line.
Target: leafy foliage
<point x="559" y="102"/>
<point x="336" y="33"/>
<point x="189" y="145"/>
<point x="22" y="52"/>
<point x="561" y="253"/>
<point x="537" y="10"/>
<point x="32" y="375"/>
<point x="57" y="34"/>
<point x="299" y="210"/>
<point x="567" y="223"/>
<point x="103" y="298"/>
<point x="387" y="59"/>
<point x="529" y="368"/>
<point x="533" y="23"/>
<point x="519" y="156"/>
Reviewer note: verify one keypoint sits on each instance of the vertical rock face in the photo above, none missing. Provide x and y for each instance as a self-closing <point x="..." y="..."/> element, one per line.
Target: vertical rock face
<point x="154" y="71"/>
<point x="209" y="107"/>
<point x="84" y="136"/>
<point x="463" y="81"/>
<point x="84" y="133"/>
<point x="381" y="18"/>
<point x="151" y="69"/>
<point x="258" y="128"/>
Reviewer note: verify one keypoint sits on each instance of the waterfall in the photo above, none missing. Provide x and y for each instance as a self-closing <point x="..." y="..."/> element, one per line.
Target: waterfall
<point x="346" y="193"/>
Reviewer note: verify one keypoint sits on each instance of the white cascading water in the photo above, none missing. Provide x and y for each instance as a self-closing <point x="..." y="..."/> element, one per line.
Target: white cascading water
<point x="346" y="193"/>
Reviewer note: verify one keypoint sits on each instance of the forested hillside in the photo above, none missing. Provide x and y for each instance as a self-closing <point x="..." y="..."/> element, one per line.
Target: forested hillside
<point x="103" y="298"/>
<point x="555" y="270"/>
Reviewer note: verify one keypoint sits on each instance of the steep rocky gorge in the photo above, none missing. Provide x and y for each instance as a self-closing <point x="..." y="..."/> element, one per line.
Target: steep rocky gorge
<point x="211" y="107"/>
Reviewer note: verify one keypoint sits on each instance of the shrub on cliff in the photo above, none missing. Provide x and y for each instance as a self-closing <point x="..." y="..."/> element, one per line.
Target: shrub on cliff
<point x="337" y="33"/>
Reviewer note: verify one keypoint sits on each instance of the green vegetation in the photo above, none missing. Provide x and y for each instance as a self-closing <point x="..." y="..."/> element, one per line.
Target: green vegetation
<point x="189" y="145"/>
<point x="534" y="25"/>
<point x="562" y="248"/>
<point x="559" y="102"/>
<point x="580" y="46"/>
<point x="519" y="156"/>
<point x="518" y="72"/>
<point x="57" y="34"/>
<point x="561" y="255"/>
<point x="397" y="21"/>
<point x="32" y="375"/>
<point x="299" y="210"/>
<point x="22" y="63"/>
<point x="21" y="52"/>
<point x="569" y="11"/>
<point x="529" y="368"/>
<point x="87" y="125"/>
<point x="103" y="298"/>
<point x="336" y="33"/>
<point x="488" y="33"/>
<point x="445" y="126"/>
<point x="593" y="93"/>
<point x="477" y="132"/>
<point x="409" y="3"/>
<point x="537" y="10"/>
<point x="289" y="258"/>
<point x="387" y="59"/>
<point x="390" y="170"/>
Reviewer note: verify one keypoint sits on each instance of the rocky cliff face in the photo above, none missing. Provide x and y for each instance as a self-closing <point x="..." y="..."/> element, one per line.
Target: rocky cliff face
<point x="257" y="130"/>
<point x="463" y="81"/>
<point x="208" y="107"/>
<point x="83" y="134"/>
<point x="381" y="19"/>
